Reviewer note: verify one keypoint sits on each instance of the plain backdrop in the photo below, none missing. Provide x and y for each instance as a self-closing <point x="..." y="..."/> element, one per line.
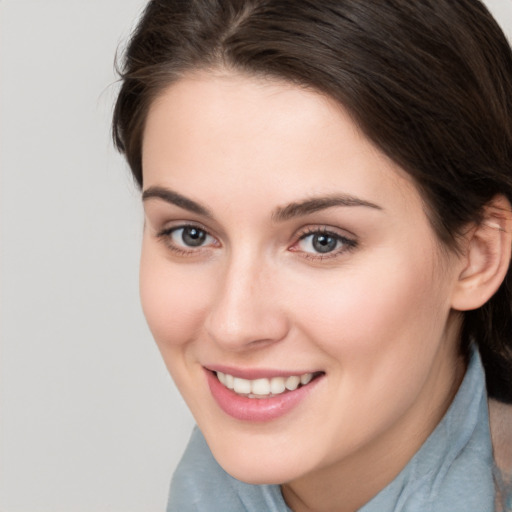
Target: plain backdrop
<point x="89" y="419"/>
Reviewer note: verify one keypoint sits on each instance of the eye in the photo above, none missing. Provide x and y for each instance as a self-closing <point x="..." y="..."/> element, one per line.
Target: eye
<point x="323" y="243"/>
<point x="184" y="239"/>
<point x="189" y="236"/>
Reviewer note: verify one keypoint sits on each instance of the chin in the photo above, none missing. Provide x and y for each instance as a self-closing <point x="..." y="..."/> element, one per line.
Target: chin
<point x="258" y="466"/>
<point x="260" y="473"/>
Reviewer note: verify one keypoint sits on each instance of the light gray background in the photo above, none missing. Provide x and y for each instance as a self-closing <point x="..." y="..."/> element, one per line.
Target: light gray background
<point x="89" y="419"/>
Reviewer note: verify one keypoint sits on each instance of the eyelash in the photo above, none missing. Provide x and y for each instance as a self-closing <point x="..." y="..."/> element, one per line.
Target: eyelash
<point x="347" y="244"/>
<point x="166" y="237"/>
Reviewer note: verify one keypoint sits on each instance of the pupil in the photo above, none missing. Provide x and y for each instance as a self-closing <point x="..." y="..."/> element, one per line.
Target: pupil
<point x="324" y="243"/>
<point x="193" y="237"/>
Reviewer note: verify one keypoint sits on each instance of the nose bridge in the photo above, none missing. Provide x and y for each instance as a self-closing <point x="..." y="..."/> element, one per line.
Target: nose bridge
<point x="245" y="310"/>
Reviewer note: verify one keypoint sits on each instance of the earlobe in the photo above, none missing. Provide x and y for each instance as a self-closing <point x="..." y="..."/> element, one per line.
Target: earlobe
<point x="486" y="259"/>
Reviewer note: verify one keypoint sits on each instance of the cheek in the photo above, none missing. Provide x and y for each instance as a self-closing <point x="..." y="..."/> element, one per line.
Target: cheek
<point x="381" y="331"/>
<point x="385" y="310"/>
<point x="173" y="299"/>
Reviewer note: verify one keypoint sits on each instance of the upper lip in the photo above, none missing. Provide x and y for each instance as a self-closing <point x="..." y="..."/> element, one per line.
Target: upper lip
<point x="256" y="373"/>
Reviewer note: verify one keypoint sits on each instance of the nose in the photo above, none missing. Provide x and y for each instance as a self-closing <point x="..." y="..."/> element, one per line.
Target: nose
<point x="246" y="312"/>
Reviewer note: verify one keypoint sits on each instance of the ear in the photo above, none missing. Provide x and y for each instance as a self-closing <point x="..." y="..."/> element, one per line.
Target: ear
<point x="486" y="256"/>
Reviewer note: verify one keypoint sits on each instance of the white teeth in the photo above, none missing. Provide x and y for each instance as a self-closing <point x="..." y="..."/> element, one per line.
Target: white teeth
<point x="277" y="385"/>
<point x="306" y="378"/>
<point x="241" y="386"/>
<point x="292" y="383"/>
<point x="227" y="380"/>
<point x="258" y="388"/>
<point x="230" y="381"/>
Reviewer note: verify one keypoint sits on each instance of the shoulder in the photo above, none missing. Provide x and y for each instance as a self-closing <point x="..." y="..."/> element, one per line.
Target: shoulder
<point x="500" y="419"/>
<point x="199" y="482"/>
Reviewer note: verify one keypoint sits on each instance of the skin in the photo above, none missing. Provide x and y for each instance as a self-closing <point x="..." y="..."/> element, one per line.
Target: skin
<point x="375" y="314"/>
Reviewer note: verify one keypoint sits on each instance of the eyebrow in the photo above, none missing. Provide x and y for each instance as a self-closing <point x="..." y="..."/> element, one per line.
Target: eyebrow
<point x="295" y="209"/>
<point x="169" y="196"/>
<point x="315" y="204"/>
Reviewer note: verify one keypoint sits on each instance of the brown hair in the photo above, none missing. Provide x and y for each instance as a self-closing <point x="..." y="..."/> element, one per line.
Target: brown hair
<point x="429" y="82"/>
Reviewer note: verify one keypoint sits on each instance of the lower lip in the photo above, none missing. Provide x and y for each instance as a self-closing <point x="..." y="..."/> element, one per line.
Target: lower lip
<point x="256" y="409"/>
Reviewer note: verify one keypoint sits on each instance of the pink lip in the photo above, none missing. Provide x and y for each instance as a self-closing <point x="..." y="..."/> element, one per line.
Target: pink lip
<point x="253" y="373"/>
<point x="256" y="409"/>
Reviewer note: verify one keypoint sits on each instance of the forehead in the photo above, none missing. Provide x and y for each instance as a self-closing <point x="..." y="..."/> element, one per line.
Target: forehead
<point x="208" y="133"/>
<point x="206" y="103"/>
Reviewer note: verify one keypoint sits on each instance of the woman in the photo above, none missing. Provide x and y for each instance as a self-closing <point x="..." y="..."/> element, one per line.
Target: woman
<point x="325" y="262"/>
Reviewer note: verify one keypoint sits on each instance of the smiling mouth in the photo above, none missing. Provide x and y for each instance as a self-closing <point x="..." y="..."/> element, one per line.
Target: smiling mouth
<point x="265" y="388"/>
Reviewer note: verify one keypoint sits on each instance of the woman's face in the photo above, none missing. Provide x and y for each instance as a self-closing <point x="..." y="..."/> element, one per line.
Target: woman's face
<point x="282" y="250"/>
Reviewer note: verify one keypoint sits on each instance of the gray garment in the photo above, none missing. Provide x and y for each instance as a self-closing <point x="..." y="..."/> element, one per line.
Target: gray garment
<point x="452" y="471"/>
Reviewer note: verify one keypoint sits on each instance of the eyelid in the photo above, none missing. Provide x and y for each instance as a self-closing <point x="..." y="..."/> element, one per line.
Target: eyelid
<point x="325" y="228"/>
<point x="165" y="236"/>
<point x="181" y="224"/>
<point x="349" y="242"/>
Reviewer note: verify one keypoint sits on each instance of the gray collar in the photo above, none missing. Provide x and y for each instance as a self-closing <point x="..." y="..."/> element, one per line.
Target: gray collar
<point x="452" y="471"/>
